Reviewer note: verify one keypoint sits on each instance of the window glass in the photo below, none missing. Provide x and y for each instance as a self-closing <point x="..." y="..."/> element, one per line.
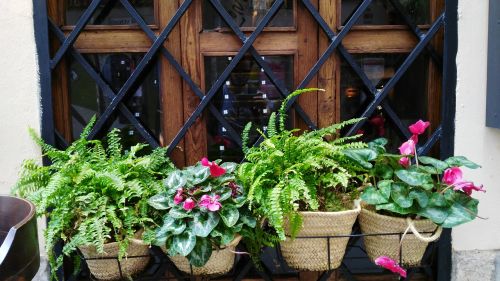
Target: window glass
<point x="408" y="99"/>
<point x="109" y="12"/>
<point x="87" y="99"/>
<point x="382" y="12"/>
<point x="247" y="96"/>
<point x="247" y="13"/>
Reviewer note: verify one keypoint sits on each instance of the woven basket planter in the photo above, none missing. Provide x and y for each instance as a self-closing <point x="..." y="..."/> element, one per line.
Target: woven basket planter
<point x="312" y="253"/>
<point x="414" y="243"/>
<point x="109" y="269"/>
<point x="221" y="261"/>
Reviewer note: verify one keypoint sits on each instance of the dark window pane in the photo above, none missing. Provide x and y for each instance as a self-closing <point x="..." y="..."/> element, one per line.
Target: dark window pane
<point x="382" y="12"/>
<point x="247" y="13"/>
<point x="408" y="99"/>
<point x="247" y="96"/>
<point x="110" y="12"/>
<point x="87" y="99"/>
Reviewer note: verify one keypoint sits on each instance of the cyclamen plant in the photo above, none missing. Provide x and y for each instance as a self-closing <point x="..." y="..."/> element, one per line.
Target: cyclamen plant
<point x="421" y="186"/>
<point x="202" y="209"/>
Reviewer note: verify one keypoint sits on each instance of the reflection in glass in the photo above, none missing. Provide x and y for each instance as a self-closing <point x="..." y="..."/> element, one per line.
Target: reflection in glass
<point x="247" y="96"/>
<point x="87" y="99"/>
<point x="409" y="98"/>
<point x="247" y="13"/>
<point x="382" y="12"/>
<point x="109" y="12"/>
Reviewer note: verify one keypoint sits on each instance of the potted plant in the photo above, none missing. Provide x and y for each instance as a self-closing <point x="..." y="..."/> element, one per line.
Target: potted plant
<point x="411" y="193"/>
<point x="202" y="215"/>
<point x="303" y="186"/>
<point x="95" y="199"/>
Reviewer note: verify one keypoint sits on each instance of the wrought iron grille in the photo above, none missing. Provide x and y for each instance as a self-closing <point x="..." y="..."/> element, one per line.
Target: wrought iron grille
<point x="443" y="133"/>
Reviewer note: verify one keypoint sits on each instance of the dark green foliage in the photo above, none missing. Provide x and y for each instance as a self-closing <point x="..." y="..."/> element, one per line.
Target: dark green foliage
<point x="287" y="173"/>
<point x="418" y="189"/>
<point x="92" y="195"/>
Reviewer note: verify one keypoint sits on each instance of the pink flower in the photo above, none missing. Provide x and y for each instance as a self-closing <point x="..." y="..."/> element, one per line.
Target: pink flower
<point x="405" y="162"/>
<point x="210" y="202"/>
<point x="419" y="127"/>
<point x="391" y="265"/>
<point x="414" y="138"/>
<point x="467" y="187"/>
<point x="452" y="176"/>
<point x="189" y="204"/>
<point x="215" y="170"/>
<point x="178" y="198"/>
<point x="407" y="148"/>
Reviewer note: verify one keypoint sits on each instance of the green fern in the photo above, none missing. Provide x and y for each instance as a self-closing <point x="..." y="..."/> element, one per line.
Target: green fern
<point x="95" y="194"/>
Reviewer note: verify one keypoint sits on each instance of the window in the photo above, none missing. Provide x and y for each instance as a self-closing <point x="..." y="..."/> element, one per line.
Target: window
<point x="203" y="44"/>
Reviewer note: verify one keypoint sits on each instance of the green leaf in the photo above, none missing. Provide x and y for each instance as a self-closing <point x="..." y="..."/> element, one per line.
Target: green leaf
<point x="463" y="210"/>
<point x="395" y="208"/>
<point x="229" y="167"/>
<point x="373" y="197"/>
<point x="229" y="215"/>
<point x="400" y="195"/>
<point x="361" y="156"/>
<point x="248" y="220"/>
<point x="226" y="234"/>
<point x="428" y="170"/>
<point x="170" y="226"/>
<point x="438" y="200"/>
<point x="178" y="213"/>
<point x="438" y="164"/>
<point x="203" y="224"/>
<point x="458" y="161"/>
<point x="159" y="201"/>
<point x="226" y="194"/>
<point x="414" y="178"/>
<point x="436" y="214"/>
<point x="174" y="181"/>
<point x="383" y="171"/>
<point x="201" y="253"/>
<point x="420" y="196"/>
<point x="385" y="187"/>
<point x="198" y="174"/>
<point x="184" y="243"/>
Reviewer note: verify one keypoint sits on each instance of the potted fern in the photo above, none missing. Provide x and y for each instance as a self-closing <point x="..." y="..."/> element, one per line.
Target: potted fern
<point x="305" y="186"/>
<point x="95" y="199"/>
<point x="413" y="195"/>
<point x="202" y="213"/>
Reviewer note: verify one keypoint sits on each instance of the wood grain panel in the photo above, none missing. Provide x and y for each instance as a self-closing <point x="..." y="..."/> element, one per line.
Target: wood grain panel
<point x="171" y="85"/>
<point x="379" y="41"/>
<point x="328" y="73"/>
<point x="195" y="140"/>
<point x="211" y="42"/>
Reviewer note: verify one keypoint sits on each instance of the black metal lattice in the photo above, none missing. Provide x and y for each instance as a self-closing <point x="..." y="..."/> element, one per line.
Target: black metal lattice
<point x="443" y="133"/>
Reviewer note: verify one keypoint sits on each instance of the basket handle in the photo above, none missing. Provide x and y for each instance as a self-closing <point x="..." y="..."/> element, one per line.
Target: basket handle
<point x="432" y="238"/>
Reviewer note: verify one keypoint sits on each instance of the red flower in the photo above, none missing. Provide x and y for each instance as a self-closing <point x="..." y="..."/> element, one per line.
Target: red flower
<point x="215" y="170"/>
<point x="178" y="198"/>
<point x="189" y="204"/>
<point x="405" y="162"/>
<point x="419" y="127"/>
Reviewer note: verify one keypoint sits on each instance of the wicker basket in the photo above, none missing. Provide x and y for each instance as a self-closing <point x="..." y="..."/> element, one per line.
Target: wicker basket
<point x="109" y="269"/>
<point x="221" y="261"/>
<point x="312" y="253"/>
<point x="414" y="243"/>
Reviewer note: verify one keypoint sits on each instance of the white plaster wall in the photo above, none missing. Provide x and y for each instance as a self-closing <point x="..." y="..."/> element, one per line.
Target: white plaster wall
<point x="473" y="138"/>
<point x="19" y="89"/>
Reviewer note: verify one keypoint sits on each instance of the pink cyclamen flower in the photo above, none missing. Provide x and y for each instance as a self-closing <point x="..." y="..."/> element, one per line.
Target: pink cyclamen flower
<point x="189" y="204"/>
<point x="419" y="127"/>
<point x="407" y="148"/>
<point x="467" y="187"/>
<point x="404" y="161"/>
<point x="452" y="176"/>
<point x="210" y="202"/>
<point x="391" y="265"/>
<point x="215" y="170"/>
<point x="178" y="198"/>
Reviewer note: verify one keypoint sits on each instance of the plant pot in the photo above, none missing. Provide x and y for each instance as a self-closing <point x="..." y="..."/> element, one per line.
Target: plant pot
<point x="109" y="269"/>
<point x="221" y="261"/>
<point x="311" y="253"/>
<point x="414" y="243"/>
